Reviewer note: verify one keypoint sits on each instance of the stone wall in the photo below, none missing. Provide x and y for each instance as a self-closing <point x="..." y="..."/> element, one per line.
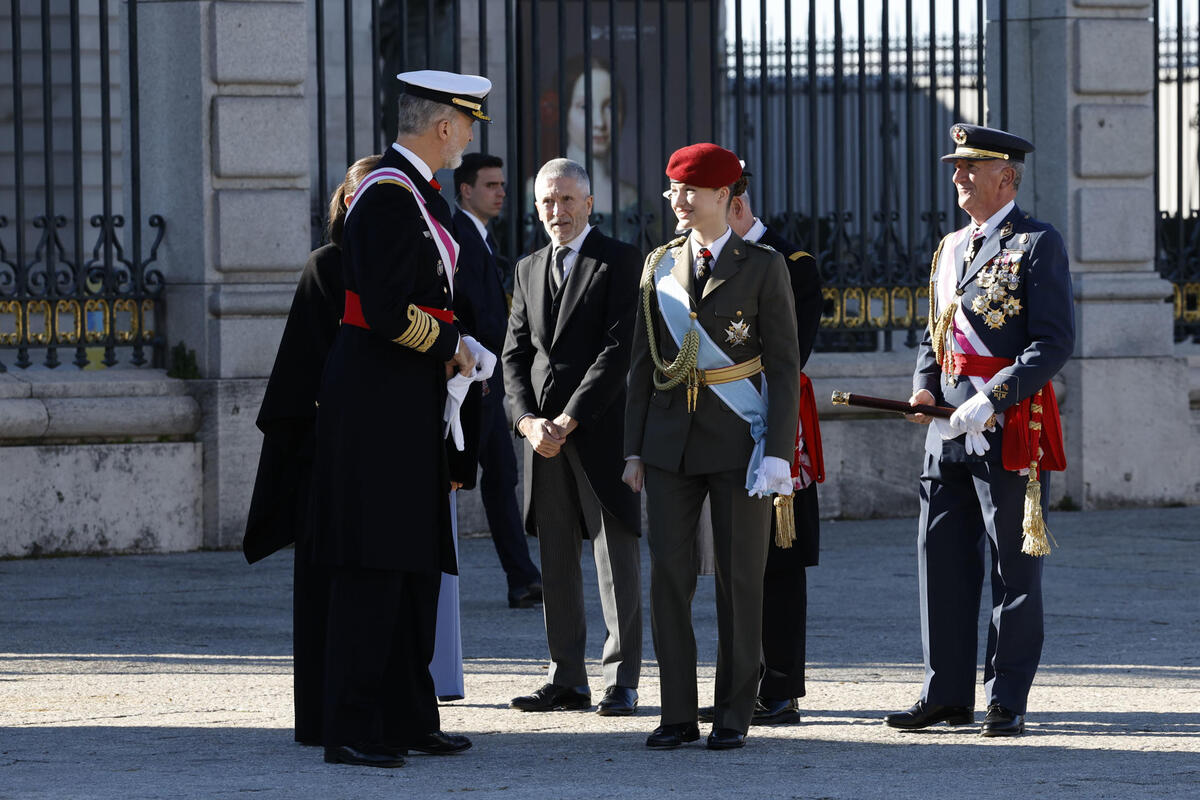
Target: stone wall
<point x="98" y="462"/>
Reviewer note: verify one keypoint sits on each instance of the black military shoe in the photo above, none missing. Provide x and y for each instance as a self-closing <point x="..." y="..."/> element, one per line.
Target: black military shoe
<point x="619" y="701"/>
<point x="707" y="713"/>
<point x="726" y="739"/>
<point x="666" y="737"/>
<point x="1002" y="722"/>
<point x="525" y="596"/>
<point x="775" y="712"/>
<point x="364" y="756"/>
<point x="439" y="744"/>
<point x="922" y="715"/>
<point x="555" y="698"/>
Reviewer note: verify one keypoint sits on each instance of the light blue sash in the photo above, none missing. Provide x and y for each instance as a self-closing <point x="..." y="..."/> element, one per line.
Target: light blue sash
<point x="740" y="396"/>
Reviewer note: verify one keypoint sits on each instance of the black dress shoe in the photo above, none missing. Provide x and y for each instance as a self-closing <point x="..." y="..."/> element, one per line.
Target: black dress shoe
<point x="922" y="715"/>
<point x="775" y="712"/>
<point x="666" y="737"/>
<point x="525" y="596"/>
<point x="439" y="744"/>
<point x="725" y="739"/>
<point x="619" y="701"/>
<point x="555" y="698"/>
<point x="1002" y="722"/>
<point x="707" y="713"/>
<point x="364" y="757"/>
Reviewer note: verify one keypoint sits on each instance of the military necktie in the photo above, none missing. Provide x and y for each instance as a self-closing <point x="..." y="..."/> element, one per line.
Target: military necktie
<point x="556" y="271"/>
<point x="703" y="264"/>
<point x="973" y="246"/>
<point x="490" y="241"/>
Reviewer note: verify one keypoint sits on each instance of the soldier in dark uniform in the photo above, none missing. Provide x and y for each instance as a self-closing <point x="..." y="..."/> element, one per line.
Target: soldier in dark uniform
<point x="279" y="506"/>
<point x="716" y="325"/>
<point x="1001" y="325"/>
<point x="785" y="584"/>
<point x="381" y="509"/>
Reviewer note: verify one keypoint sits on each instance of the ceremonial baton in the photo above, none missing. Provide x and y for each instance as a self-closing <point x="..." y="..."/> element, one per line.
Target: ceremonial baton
<point x="883" y="404"/>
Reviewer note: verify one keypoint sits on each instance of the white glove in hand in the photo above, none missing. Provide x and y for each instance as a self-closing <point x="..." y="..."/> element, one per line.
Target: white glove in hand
<point x="976" y="443"/>
<point x="972" y="416"/>
<point x="774" y="477"/>
<point x="945" y="429"/>
<point x="456" y="390"/>
<point x="485" y="360"/>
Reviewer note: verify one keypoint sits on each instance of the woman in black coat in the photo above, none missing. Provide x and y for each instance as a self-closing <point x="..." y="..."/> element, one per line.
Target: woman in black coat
<point x="287" y="418"/>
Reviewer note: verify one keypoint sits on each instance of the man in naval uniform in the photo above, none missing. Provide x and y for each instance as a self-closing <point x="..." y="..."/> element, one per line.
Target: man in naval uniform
<point x="1001" y="324"/>
<point x="381" y="515"/>
<point x="716" y="327"/>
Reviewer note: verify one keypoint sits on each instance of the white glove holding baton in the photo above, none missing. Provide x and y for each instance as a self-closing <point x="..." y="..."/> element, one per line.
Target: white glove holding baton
<point x="972" y="418"/>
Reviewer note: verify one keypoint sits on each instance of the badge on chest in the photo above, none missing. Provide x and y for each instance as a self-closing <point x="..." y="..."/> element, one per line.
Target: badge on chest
<point x="998" y="282"/>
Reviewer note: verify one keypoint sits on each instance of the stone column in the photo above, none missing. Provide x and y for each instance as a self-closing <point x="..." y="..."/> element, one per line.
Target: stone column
<point x="225" y="146"/>
<point x="1081" y="76"/>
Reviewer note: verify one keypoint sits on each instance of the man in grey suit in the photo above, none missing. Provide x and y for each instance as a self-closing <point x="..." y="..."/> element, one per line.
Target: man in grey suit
<point x="565" y="359"/>
<point x="720" y="326"/>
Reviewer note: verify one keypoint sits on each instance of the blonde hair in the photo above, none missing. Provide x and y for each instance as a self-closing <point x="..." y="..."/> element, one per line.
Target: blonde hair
<point x="349" y="185"/>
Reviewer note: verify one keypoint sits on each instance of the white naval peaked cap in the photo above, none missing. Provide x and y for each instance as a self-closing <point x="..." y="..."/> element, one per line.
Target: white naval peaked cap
<point x="465" y="92"/>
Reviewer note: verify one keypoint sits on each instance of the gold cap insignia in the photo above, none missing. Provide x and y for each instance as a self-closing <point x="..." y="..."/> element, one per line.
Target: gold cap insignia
<point x="959" y="134"/>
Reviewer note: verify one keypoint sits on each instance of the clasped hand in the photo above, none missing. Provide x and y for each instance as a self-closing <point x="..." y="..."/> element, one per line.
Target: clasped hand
<point x="547" y="437"/>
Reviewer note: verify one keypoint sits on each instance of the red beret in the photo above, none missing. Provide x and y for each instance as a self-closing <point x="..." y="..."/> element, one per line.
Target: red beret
<point x="705" y="165"/>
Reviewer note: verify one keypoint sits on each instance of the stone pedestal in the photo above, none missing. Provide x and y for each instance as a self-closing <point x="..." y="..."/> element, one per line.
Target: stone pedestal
<point x="1080" y="79"/>
<point x="226" y="162"/>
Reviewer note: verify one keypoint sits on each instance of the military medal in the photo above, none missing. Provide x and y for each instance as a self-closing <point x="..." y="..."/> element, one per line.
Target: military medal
<point x="738" y="333"/>
<point x="995" y="280"/>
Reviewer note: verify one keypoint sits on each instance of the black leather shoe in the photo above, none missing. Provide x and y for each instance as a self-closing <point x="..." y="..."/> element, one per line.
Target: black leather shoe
<point x="725" y="739"/>
<point x="619" y="701"/>
<point x="922" y="715"/>
<point x="666" y="737"/>
<point x="707" y="713"/>
<point x="525" y="596"/>
<point x="364" y="757"/>
<point x="555" y="698"/>
<point x="1002" y="722"/>
<point x="775" y="712"/>
<point x="439" y="744"/>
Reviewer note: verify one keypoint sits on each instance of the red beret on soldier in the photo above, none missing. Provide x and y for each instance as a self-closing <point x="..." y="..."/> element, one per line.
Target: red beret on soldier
<point x="705" y="165"/>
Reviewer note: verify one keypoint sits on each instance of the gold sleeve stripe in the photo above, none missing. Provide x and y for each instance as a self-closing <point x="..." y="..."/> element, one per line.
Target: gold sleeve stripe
<point x="799" y="254"/>
<point x="421" y="333"/>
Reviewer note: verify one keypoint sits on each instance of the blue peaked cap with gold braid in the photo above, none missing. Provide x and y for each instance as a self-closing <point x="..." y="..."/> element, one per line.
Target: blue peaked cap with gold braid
<point x="976" y="143"/>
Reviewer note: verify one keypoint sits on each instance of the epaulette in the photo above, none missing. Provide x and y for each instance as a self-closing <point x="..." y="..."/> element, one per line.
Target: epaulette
<point x="799" y="254"/>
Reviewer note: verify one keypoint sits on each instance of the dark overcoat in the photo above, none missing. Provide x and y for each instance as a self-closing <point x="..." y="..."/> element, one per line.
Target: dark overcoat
<point x="381" y="463"/>
<point x="572" y="356"/>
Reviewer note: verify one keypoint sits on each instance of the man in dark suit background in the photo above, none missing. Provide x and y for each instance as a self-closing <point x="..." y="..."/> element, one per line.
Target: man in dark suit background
<point x="565" y="360"/>
<point x="480" y="303"/>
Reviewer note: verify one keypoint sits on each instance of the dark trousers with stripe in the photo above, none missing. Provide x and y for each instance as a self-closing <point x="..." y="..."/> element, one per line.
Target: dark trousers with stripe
<point x="379" y="642"/>
<point x="967" y="506"/>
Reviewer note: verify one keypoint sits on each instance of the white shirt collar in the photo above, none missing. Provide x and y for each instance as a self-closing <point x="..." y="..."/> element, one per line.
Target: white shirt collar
<point x="993" y="222"/>
<point x="756" y="231"/>
<point x="714" y="248"/>
<point x="415" y="160"/>
<point x="480" y="224"/>
<point x="577" y="243"/>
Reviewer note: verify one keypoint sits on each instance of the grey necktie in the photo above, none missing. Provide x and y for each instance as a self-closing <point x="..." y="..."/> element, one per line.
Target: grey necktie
<point x="556" y="270"/>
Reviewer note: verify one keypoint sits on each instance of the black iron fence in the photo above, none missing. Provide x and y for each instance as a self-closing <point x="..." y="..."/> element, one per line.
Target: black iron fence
<point x="73" y="275"/>
<point x="840" y="108"/>
<point x="1177" y="148"/>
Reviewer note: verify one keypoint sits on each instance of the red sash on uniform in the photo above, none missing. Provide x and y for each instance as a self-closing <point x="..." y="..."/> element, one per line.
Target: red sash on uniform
<point x="1026" y="428"/>
<point x="353" y="313"/>
<point x="807" y="424"/>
